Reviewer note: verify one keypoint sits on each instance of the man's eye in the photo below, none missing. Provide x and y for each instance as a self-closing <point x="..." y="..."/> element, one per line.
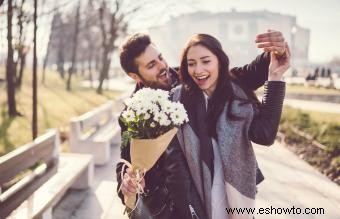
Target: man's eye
<point x="151" y="66"/>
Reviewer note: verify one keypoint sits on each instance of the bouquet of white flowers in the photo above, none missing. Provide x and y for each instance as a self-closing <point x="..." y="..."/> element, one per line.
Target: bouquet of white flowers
<point x="152" y="121"/>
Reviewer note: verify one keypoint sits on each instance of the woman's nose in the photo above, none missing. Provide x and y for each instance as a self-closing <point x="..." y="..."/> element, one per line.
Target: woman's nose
<point x="198" y="69"/>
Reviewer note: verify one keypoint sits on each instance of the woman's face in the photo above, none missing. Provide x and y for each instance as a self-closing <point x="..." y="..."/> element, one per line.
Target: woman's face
<point x="203" y="68"/>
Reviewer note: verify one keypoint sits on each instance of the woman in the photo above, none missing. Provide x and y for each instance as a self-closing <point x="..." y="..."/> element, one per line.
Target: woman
<point x="215" y="146"/>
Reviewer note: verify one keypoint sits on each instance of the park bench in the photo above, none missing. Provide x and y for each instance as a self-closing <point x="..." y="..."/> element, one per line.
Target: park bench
<point x="94" y="132"/>
<point x="34" y="177"/>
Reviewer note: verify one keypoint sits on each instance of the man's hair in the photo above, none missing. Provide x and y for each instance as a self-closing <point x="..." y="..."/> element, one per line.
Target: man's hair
<point x="133" y="47"/>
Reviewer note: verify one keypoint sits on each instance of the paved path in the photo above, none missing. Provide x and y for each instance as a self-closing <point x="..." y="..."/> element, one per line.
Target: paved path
<point x="290" y="182"/>
<point x="99" y="202"/>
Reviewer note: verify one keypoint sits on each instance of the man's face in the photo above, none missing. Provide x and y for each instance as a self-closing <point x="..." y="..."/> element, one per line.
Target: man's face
<point x="153" y="69"/>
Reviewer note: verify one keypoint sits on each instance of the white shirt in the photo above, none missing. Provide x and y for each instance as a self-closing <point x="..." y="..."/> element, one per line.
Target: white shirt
<point x="218" y="190"/>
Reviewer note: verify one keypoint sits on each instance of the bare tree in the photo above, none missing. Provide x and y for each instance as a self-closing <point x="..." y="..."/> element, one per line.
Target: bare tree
<point x="74" y="50"/>
<point x="10" y="69"/>
<point x="35" y="86"/>
<point x="114" y="22"/>
<point x="54" y="23"/>
<point x="91" y="34"/>
<point x="22" y="49"/>
<point x="117" y="26"/>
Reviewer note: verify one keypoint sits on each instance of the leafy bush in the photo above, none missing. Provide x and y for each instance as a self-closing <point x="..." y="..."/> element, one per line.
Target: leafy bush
<point x="323" y="132"/>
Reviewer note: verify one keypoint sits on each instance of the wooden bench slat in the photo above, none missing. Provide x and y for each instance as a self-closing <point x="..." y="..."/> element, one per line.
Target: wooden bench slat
<point x="70" y="167"/>
<point x="43" y="149"/>
<point x="15" y="200"/>
<point x="26" y="156"/>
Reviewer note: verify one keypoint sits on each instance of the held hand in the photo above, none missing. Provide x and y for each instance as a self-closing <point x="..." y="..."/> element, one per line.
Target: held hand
<point x="129" y="186"/>
<point x="272" y="41"/>
<point x="279" y="64"/>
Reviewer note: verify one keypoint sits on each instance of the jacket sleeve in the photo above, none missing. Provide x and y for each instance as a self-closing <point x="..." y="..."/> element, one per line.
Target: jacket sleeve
<point x="180" y="183"/>
<point x="253" y="75"/>
<point x="124" y="154"/>
<point x="265" y="124"/>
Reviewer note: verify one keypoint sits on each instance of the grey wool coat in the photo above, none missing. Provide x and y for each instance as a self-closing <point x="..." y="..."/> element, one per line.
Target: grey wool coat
<point x="258" y="124"/>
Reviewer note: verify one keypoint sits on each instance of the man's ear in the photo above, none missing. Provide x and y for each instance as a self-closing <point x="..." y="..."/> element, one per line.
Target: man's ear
<point x="135" y="77"/>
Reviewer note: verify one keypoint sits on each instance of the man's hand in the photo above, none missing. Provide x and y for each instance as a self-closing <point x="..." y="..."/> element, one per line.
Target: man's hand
<point x="129" y="186"/>
<point x="271" y="41"/>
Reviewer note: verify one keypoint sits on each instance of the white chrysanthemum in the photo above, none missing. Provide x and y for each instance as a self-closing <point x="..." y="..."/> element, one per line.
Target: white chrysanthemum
<point x="151" y="94"/>
<point x="128" y="102"/>
<point x="164" y="105"/>
<point x="160" y="116"/>
<point x="165" y="121"/>
<point x="128" y="115"/>
<point x="178" y="114"/>
<point x="146" y="116"/>
<point x="178" y="118"/>
<point x="161" y="95"/>
<point x="140" y="108"/>
<point x="154" y="109"/>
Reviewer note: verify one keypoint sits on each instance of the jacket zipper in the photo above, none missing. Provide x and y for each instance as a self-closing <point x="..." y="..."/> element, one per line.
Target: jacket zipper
<point x="193" y="213"/>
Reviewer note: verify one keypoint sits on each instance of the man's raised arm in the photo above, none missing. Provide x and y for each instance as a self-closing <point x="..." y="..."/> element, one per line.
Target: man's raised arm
<point x="253" y="75"/>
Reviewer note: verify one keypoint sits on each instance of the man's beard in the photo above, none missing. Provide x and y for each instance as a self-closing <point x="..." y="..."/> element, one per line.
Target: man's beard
<point x="155" y="84"/>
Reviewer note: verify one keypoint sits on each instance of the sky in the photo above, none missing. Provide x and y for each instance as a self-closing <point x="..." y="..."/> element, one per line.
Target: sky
<point x="322" y="17"/>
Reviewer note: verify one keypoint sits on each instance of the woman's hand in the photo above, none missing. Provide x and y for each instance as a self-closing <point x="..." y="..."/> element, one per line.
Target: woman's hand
<point x="129" y="186"/>
<point x="279" y="63"/>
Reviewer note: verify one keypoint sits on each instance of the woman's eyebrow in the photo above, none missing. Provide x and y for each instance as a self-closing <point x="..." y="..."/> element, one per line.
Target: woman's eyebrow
<point x="205" y="57"/>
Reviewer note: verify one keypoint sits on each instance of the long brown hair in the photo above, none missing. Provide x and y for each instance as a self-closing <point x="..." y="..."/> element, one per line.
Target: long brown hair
<point x="223" y="93"/>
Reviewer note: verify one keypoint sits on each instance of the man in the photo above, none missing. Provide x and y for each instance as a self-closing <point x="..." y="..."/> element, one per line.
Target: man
<point x="144" y="63"/>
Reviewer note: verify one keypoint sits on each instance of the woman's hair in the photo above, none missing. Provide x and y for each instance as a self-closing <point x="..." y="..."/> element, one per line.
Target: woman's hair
<point x="223" y="93"/>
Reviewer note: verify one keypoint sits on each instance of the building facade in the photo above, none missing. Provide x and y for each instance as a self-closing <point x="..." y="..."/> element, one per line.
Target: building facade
<point x="235" y="30"/>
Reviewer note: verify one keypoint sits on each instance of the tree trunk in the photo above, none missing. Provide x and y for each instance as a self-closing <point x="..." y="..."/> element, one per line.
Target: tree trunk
<point x="74" y="50"/>
<point x="105" y="69"/>
<point x="22" y="50"/>
<point x="45" y="64"/>
<point x="60" y="59"/>
<point x="35" y="88"/>
<point x="83" y="68"/>
<point x="10" y="73"/>
<point x="21" y="69"/>
<point x="90" y="66"/>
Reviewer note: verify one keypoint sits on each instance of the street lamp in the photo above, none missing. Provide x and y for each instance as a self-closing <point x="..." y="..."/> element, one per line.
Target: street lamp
<point x="293" y="33"/>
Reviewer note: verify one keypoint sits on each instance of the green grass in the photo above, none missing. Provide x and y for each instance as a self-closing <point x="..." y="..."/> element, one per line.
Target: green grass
<point x="323" y="127"/>
<point x="56" y="107"/>
<point x="320" y="117"/>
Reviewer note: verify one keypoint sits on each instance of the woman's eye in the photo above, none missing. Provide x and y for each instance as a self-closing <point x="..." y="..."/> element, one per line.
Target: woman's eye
<point x="191" y="64"/>
<point x="206" y="62"/>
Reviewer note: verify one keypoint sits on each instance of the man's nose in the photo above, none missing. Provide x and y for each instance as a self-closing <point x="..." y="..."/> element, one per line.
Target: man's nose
<point x="161" y="64"/>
